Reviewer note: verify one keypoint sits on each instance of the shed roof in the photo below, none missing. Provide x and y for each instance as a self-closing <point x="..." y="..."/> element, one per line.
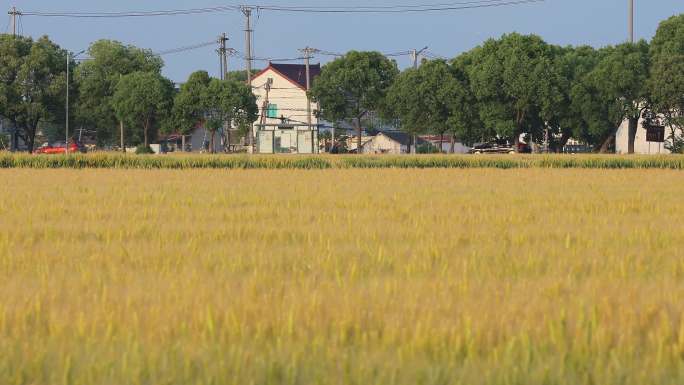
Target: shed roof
<point x="401" y="137"/>
<point x="296" y="73"/>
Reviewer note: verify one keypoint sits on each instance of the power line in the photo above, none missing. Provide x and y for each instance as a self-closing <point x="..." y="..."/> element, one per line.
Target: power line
<point x="171" y="12"/>
<point x="185" y="48"/>
<point x="452" y="6"/>
<point x="432" y="55"/>
<point x="266" y="59"/>
<point x="403" y="9"/>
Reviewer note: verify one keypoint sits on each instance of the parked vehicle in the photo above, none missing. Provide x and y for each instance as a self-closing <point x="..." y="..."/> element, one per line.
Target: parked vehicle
<point x="60" y="148"/>
<point x="493" y="147"/>
<point x="501" y="146"/>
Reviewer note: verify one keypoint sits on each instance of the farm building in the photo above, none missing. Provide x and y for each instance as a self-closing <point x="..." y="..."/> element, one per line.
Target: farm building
<point x="641" y="143"/>
<point x="446" y="143"/>
<point x="281" y="96"/>
<point x="389" y="142"/>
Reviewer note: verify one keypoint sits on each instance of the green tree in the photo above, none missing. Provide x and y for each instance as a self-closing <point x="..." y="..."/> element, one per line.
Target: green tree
<point x="188" y="106"/>
<point x="98" y="77"/>
<point x="228" y="102"/>
<point x="667" y="76"/>
<point x="574" y="116"/>
<point x="143" y="99"/>
<point x="427" y="99"/>
<point x="32" y="84"/>
<point x="240" y="76"/>
<point x="516" y="84"/>
<point x="352" y="86"/>
<point x="618" y="86"/>
<point x="465" y="120"/>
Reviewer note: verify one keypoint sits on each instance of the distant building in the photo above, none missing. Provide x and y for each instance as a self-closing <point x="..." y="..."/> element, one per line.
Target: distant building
<point x="641" y="144"/>
<point x="388" y="142"/>
<point x="444" y="142"/>
<point x="282" y="126"/>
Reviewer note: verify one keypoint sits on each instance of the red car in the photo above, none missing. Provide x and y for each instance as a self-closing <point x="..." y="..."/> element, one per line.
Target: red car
<point x="60" y="148"/>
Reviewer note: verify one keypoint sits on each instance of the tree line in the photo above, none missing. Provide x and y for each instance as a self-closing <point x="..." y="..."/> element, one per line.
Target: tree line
<point x="118" y="93"/>
<point x="517" y="84"/>
<point x="501" y="89"/>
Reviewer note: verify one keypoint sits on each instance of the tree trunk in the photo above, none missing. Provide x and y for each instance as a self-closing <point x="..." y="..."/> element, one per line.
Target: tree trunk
<point x="565" y="137"/>
<point x="632" y="130"/>
<point x="228" y="139"/>
<point x="358" y="136"/>
<point x="603" y="148"/>
<point x="145" y="127"/>
<point x="516" y="142"/>
<point x="31" y="139"/>
<point x="211" y="142"/>
<point x="441" y="142"/>
<point x="414" y="144"/>
<point x="453" y="144"/>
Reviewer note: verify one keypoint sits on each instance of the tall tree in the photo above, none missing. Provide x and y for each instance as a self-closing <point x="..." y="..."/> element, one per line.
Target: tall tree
<point x="32" y="84"/>
<point x="143" y="99"/>
<point x="229" y="102"/>
<point x="465" y="120"/>
<point x="352" y="86"/>
<point x="619" y="83"/>
<point x="573" y="117"/>
<point x="427" y="99"/>
<point x="240" y="76"/>
<point x="667" y="77"/>
<point x="516" y="84"/>
<point x="98" y="77"/>
<point x="188" y="105"/>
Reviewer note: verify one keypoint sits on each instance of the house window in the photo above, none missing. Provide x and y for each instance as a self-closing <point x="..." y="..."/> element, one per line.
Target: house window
<point x="272" y="111"/>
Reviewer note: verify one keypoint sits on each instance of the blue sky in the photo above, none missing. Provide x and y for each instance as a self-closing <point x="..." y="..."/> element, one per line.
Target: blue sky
<point x="277" y="35"/>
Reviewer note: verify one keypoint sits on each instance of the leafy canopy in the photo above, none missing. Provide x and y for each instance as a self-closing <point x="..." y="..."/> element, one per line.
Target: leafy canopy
<point x="32" y="84"/>
<point x="516" y="84"/>
<point x="351" y="86"/>
<point x="667" y="72"/>
<point x="97" y="80"/>
<point x="143" y="100"/>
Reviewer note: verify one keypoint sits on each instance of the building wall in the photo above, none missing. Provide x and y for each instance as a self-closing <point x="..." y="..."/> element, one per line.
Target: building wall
<point x="289" y="97"/>
<point x="641" y="146"/>
<point x="459" y="148"/>
<point x="381" y="144"/>
<point x="197" y="140"/>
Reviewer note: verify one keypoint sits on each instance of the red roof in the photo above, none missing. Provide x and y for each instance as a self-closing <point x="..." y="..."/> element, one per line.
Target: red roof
<point x="295" y="73"/>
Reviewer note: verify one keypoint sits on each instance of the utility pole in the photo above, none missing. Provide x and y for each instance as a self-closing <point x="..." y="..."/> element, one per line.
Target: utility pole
<point x="121" y="128"/>
<point x="223" y="56"/>
<point x="14" y="13"/>
<point x="69" y="56"/>
<point x="247" y="11"/>
<point x="66" y="136"/>
<point x="308" y="51"/>
<point x="415" y="54"/>
<point x="631" y="21"/>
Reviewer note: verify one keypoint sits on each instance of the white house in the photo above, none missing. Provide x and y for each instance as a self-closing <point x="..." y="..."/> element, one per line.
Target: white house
<point x="389" y="142"/>
<point x="444" y="143"/>
<point x="282" y="126"/>
<point x="641" y="145"/>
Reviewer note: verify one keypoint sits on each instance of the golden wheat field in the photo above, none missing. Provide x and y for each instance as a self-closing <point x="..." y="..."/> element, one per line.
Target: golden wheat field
<point x="343" y="276"/>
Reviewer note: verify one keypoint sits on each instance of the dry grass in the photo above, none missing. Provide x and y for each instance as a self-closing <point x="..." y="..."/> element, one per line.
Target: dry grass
<point x="525" y="276"/>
